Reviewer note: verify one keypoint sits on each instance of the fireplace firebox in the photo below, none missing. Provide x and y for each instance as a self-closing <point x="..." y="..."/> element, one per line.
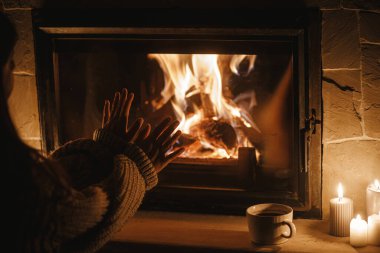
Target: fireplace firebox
<point x="244" y="84"/>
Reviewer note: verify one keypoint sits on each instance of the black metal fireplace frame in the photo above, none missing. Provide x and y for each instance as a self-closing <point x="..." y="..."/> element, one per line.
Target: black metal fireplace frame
<point x="300" y="25"/>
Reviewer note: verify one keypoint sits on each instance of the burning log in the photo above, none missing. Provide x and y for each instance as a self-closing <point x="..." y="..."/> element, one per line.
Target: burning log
<point x="186" y="140"/>
<point x="218" y="133"/>
<point x="207" y="105"/>
<point x="200" y="100"/>
<point x="215" y="126"/>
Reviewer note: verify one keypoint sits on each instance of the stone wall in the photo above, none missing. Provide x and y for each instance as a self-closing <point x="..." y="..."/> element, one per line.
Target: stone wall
<point x="23" y="100"/>
<point x="350" y="90"/>
<point x="351" y="100"/>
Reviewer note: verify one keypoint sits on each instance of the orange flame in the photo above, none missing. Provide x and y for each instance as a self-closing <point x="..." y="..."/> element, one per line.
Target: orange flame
<point x="237" y="59"/>
<point x="198" y="75"/>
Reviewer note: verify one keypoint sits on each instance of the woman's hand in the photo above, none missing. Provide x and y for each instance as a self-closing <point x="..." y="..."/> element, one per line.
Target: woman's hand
<point x="115" y="117"/>
<point x="159" y="142"/>
<point x="155" y="145"/>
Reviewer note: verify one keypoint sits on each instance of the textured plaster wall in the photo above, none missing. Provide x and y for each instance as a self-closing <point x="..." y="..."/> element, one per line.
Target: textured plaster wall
<point x="350" y="89"/>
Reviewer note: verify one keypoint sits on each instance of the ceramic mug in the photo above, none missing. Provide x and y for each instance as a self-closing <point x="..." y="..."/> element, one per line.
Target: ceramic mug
<point x="270" y="223"/>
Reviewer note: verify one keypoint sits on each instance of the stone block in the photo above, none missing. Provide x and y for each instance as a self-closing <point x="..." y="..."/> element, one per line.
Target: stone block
<point x="371" y="89"/>
<point x="340" y="40"/>
<point x="369" y="27"/>
<point x="371" y="113"/>
<point x="34" y="143"/>
<point x="341" y="95"/>
<point x="361" y="4"/>
<point x="24" y="50"/>
<point x="371" y="64"/>
<point x="353" y="163"/>
<point x="9" y="4"/>
<point x="23" y="107"/>
<point x="329" y="4"/>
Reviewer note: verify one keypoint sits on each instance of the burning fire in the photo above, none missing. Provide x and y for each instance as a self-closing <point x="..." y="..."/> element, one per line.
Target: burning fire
<point x="212" y="122"/>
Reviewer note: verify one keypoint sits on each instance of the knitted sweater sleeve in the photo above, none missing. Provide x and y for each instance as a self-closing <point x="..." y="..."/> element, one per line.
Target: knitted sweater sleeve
<point x="109" y="189"/>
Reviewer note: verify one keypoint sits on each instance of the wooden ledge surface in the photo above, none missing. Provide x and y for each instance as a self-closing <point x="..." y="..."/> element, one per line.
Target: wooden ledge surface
<point x="182" y="232"/>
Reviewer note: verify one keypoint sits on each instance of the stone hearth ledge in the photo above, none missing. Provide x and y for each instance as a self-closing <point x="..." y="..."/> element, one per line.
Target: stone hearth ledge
<point x="150" y="231"/>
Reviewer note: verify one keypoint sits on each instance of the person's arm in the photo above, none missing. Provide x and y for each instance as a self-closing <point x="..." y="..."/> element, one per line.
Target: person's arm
<point x="88" y="222"/>
<point x="110" y="165"/>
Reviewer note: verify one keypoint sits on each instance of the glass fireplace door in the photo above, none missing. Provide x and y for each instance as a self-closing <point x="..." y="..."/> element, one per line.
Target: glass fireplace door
<point x="241" y="97"/>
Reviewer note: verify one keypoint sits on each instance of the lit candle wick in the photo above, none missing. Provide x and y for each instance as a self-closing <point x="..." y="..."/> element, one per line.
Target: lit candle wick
<point x="340" y="192"/>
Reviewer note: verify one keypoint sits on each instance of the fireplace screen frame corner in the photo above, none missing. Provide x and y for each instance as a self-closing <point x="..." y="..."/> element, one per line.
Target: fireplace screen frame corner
<point x="301" y="27"/>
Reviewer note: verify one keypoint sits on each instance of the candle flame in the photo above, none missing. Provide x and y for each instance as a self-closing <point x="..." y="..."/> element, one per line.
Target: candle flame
<point x="377" y="184"/>
<point x="340" y="191"/>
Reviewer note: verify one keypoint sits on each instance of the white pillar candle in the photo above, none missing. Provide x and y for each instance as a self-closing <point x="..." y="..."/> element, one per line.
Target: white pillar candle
<point x="373" y="198"/>
<point x="341" y="211"/>
<point x="358" y="232"/>
<point x="374" y="229"/>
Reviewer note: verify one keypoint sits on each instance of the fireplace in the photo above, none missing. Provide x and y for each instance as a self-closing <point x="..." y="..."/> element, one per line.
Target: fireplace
<point x="244" y="84"/>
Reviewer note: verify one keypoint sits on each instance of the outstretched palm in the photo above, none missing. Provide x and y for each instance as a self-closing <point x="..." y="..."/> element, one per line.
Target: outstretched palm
<point x="157" y="145"/>
<point x="115" y="117"/>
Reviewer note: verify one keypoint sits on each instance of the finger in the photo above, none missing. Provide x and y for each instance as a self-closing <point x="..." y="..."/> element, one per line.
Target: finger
<point x="144" y="133"/>
<point x="115" y="103"/>
<point x="133" y="132"/>
<point x="168" y="144"/>
<point x="169" y="158"/>
<point x="106" y="112"/>
<point x="165" y="135"/>
<point x="160" y="128"/>
<point x="127" y="107"/>
<point x="123" y="100"/>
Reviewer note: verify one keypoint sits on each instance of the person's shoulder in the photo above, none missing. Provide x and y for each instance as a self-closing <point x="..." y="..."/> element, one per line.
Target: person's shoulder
<point x="81" y="146"/>
<point x="49" y="178"/>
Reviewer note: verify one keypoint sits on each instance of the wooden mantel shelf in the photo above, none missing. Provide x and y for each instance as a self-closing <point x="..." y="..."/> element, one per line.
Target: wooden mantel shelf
<point x="182" y="232"/>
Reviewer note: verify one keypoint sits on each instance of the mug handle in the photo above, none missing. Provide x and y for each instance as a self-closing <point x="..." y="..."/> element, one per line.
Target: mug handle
<point x="292" y="229"/>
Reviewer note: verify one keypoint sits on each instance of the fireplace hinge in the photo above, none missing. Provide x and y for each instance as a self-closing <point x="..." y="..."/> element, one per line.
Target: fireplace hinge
<point x="312" y="121"/>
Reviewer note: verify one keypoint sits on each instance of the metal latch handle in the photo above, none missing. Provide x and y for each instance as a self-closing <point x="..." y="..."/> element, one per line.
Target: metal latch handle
<point x="312" y="121"/>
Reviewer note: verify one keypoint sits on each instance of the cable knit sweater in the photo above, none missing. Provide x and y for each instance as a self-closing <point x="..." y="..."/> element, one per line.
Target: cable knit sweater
<point x="91" y="188"/>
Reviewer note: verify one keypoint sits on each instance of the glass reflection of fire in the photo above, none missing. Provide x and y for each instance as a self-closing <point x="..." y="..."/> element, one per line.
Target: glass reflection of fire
<point x="213" y="124"/>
